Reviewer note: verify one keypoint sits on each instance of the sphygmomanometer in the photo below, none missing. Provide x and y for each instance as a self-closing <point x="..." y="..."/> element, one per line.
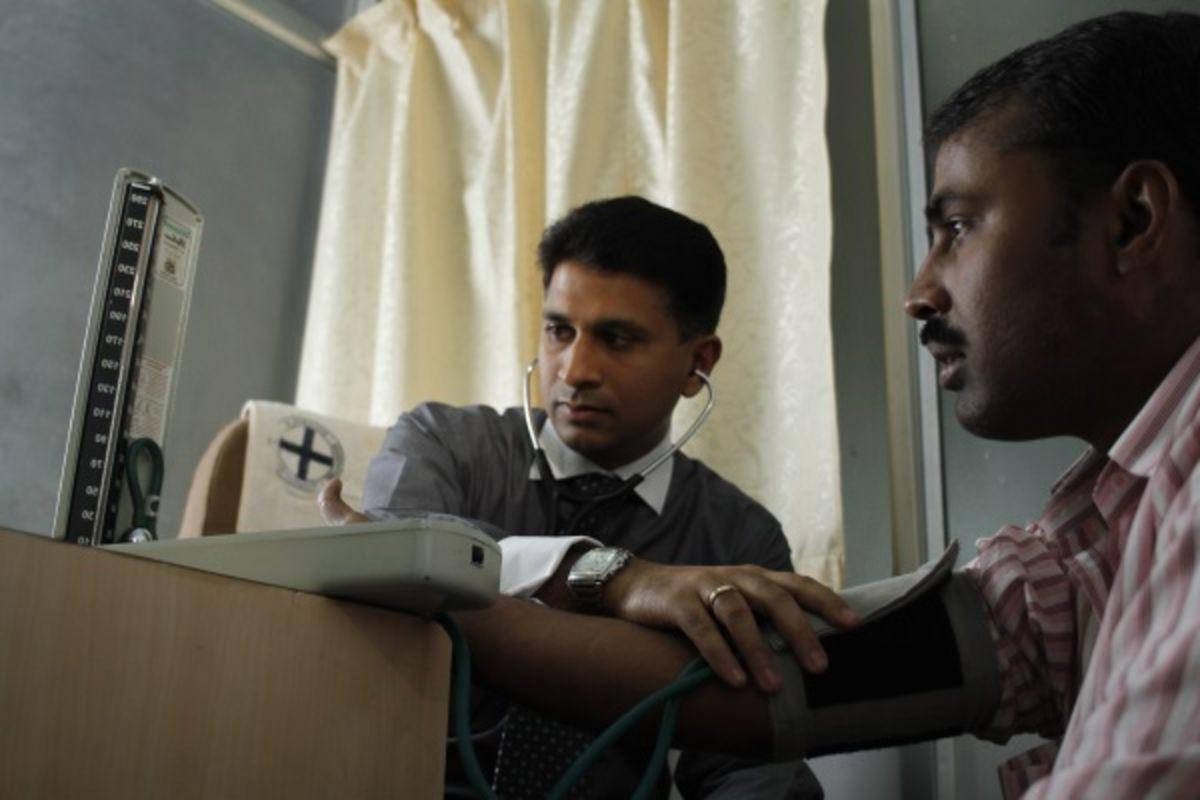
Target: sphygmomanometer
<point x="921" y="665"/>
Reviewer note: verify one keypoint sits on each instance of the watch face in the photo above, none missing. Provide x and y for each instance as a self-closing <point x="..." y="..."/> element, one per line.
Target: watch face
<point x="597" y="560"/>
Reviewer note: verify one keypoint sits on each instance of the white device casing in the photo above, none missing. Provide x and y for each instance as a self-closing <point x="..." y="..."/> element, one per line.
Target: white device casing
<point x="420" y="564"/>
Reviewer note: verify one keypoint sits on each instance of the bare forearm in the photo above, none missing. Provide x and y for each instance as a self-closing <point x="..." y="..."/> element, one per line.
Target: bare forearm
<point x="589" y="670"/>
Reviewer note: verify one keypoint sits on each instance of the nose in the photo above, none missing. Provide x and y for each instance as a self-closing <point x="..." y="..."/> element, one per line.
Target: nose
<point x="927" y="297"/>
<point x="579" y="367"/>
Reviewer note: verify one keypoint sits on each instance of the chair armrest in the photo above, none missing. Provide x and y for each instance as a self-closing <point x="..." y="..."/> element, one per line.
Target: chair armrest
<point x="216" y="490"/>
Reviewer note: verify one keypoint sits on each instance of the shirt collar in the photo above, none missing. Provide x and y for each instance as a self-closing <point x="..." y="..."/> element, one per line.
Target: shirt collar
<point x="1141" y="446"/>
<point x="567" y="463"/>
<point x="1082" y="468"/>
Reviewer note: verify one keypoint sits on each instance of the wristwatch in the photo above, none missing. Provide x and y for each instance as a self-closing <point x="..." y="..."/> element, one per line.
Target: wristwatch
<point x="592" y="571"/>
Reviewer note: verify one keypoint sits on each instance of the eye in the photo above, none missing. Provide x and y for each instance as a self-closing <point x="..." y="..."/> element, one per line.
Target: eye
<point x="615" y="340"/>
<point x="559" y="332"/>
<point x="957" y="227"/>
<point x="948" y="231"/>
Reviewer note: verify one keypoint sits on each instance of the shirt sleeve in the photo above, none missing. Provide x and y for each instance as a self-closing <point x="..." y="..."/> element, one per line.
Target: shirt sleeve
<point x="1032" y="615"/>
<point x="414" y="470"/>
<point x="527" y="562"/>
<point x="761" y="541"/>
<point x="777" y="555"/>
<point x="1136" y="732"/>
<point x="417" y="469"/>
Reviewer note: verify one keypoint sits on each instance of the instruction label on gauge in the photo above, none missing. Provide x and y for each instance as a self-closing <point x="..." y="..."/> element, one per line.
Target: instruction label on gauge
<point x="171" y="262"/>
<point x="162" y="336"/>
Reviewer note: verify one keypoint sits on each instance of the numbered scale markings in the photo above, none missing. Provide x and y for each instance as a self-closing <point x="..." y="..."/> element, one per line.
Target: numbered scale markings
<point x="96" y="490"/>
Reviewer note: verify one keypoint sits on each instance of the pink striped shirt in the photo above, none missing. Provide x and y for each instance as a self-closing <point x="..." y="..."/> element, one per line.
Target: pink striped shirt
<point x="1096" y="613"/>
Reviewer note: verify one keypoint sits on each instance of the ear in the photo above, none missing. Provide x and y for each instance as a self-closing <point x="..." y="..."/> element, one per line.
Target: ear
<point x="706" y="352"/>
<point x="1145" y="196"/>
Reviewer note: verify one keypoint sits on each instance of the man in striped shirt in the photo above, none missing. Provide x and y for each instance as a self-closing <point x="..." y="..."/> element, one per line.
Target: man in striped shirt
<point x="1061" y="296"/>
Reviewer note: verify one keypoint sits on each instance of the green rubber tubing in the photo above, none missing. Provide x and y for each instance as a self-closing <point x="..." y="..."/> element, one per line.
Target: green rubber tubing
<point x="692" y="675"/>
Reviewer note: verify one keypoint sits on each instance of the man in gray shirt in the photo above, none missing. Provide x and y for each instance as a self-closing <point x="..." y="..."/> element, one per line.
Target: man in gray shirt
<point x="633" y="293"/>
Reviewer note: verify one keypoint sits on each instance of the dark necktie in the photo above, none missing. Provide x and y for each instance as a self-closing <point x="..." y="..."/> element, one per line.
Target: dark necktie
<point x="586" y="487"/>
<point x="534" y="750"/>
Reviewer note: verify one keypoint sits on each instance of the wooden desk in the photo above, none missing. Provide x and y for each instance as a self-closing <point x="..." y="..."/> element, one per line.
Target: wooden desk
<point x="123" y="677"/>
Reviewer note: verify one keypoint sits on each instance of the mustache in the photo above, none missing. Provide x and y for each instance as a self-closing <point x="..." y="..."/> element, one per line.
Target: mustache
<point x="936" y="330"/>
<point x="575" y="398"/>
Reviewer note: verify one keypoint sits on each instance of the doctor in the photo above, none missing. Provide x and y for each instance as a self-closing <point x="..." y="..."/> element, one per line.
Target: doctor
<point x="633" y="293"/>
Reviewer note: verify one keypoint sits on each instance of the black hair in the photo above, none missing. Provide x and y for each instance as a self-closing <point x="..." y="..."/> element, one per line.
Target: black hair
<point x="635" y="236"/>
<point x="1097" y="96"/>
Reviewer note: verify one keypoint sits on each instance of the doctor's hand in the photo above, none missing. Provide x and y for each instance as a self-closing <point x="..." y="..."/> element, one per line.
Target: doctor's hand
<point x="335" y="510"/>
<point x="714" y="606"/>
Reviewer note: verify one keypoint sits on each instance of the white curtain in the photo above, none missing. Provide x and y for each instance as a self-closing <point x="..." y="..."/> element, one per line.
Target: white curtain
<point x="461" y="128"/>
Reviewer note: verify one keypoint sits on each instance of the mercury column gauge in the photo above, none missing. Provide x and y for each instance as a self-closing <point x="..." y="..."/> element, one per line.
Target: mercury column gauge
<point x="129" y="366"/>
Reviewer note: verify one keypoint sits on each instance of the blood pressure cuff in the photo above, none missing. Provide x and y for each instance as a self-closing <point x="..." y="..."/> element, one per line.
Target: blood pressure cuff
<point x="921" y="666"/>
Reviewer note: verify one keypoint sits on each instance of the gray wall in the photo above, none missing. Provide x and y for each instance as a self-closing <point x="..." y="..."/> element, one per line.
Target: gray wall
<point x="234" y="121"/>
<point x="988" y="484"/>
<point x="856" y="305"/>
<point x="855" y="299"/>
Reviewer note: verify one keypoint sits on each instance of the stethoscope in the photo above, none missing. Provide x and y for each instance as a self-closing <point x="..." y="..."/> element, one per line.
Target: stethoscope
<point x="586" y="506"/>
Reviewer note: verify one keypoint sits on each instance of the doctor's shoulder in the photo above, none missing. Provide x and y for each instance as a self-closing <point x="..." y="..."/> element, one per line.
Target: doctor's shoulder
<point x="470" y="430"/>
<point x="725" y="506"/>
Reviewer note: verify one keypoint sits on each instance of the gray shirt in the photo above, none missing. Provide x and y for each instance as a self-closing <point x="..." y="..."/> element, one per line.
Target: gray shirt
<point x="476" y="462"/>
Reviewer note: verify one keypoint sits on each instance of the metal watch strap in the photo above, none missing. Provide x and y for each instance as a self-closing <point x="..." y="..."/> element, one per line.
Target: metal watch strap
<point x="588" y="588"/>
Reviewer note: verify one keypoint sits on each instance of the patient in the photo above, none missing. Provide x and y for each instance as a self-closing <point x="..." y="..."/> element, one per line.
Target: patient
<point x="1059" y="297"/>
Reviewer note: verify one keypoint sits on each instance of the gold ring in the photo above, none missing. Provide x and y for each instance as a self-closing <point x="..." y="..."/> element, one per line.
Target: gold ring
<point x="720" y="590"/>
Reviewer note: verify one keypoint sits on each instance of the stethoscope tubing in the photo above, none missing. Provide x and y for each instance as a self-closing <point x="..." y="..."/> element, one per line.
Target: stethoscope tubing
<point x="589" y="505"/>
